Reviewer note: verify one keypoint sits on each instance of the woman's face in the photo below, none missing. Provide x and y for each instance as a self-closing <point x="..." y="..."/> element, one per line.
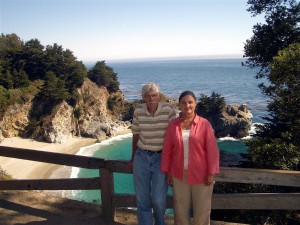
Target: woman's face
<point x="187" y="105"/>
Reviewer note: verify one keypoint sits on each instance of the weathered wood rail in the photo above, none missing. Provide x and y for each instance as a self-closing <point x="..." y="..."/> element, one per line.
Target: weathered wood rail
<point x="111" y="200"/>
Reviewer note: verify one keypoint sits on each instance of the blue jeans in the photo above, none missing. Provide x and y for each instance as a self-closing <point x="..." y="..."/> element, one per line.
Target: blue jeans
<point x="150" y="187"/>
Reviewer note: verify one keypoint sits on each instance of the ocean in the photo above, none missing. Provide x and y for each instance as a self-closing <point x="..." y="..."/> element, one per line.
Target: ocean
<point x="226" y="77"/>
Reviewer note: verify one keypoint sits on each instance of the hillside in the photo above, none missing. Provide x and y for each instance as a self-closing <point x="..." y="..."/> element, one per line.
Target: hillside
<point x="48" y="95"/>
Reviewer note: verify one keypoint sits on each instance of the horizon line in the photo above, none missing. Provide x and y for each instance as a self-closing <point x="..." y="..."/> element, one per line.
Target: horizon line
<point x="221" y="56"/>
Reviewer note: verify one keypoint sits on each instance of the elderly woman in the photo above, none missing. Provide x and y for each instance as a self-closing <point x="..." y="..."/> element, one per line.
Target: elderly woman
<point x="191" y="160"/>
<point x="150" y="121"/>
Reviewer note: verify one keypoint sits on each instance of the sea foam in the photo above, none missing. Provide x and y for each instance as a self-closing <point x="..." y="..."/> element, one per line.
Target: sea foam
<point x="91" y="149"/>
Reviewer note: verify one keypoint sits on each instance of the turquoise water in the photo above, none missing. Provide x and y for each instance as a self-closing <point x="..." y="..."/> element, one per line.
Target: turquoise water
<point x="120" y="148"/>
<point x="115" y="148"/>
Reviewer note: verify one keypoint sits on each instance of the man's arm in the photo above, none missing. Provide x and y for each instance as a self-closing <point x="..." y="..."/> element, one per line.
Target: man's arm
<point x="135" y="138"/>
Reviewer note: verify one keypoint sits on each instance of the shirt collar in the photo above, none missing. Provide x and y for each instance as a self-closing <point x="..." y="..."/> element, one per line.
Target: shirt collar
<point x="195" y="120"/>
<point x="157" y="110"/>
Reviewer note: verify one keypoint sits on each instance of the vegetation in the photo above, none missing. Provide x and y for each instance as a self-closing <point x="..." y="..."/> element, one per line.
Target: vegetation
<point x="274" y="49"/>
<point x="103" y="75"/>
<point x="279" y="139"/>
<point x="50" y="74"/>
<point x="211" y="108"/>
<point x="280" y="30"/>
<point x="4" y="175"/>
<point x="209" y="105"/>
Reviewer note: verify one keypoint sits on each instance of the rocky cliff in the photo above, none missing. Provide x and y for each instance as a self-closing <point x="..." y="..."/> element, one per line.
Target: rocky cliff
<point x="234" y="121"/>
<point x="94" y="119"/>
<point x="15" y="119"/>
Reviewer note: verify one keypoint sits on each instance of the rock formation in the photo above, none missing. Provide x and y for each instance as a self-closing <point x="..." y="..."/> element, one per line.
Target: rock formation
<point x="93" y="118"/>
<point x="234" y="121"/>
<point x="15" y="119"/>
<point x="94" y="121"/>
<point x="57" y="127"/>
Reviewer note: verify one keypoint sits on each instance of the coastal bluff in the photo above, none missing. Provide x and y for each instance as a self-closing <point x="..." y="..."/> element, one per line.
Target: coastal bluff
<point x="93" y="121"/>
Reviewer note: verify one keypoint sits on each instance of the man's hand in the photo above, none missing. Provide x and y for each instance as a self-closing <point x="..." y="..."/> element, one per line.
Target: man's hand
<point x="130" y="163"/>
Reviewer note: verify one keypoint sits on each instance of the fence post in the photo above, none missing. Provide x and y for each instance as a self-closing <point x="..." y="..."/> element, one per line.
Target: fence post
<point x="107" y="190"/>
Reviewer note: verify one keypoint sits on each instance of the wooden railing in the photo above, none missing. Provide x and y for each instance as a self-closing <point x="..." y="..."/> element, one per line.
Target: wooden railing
<point x="111" y="200"/>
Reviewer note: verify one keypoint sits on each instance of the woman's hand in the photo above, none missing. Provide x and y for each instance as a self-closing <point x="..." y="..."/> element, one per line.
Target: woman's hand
<point x="209" y="180"/>
<point x="169" y="180"/>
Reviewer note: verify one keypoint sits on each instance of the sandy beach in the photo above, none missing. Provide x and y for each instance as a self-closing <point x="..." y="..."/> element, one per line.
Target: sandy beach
<point x="25" y="169"/>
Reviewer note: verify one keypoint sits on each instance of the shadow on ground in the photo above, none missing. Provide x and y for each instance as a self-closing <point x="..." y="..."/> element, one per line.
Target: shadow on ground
<point x="37" y="208"/>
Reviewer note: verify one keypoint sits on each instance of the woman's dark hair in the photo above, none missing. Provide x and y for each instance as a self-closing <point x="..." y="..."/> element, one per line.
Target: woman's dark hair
<point x="187" y="93"/>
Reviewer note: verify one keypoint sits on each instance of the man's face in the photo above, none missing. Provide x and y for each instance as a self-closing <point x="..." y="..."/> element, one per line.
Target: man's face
<point x="151" y="98"/>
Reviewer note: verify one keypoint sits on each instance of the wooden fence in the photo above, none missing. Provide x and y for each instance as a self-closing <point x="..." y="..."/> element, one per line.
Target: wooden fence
<point x="111" y="200"/>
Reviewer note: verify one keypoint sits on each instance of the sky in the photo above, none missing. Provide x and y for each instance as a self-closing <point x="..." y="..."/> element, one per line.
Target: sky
<point x="96" y="30"/>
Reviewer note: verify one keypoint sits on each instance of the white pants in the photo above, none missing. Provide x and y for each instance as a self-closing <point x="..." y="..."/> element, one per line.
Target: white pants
<point x="197" y="194"/>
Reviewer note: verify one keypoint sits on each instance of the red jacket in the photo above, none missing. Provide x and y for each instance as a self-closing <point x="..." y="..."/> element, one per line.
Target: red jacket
<point x="203" y="156"/>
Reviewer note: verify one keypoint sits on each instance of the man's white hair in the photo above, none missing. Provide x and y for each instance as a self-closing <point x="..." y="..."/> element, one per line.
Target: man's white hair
<point x="150" y="87"/>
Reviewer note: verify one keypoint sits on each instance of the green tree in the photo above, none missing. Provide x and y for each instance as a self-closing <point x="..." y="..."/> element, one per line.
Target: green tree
<point x="104" y="75"/>
<point x="33" y="54"/>
<point x="211" y="108"/>
<point x="9" y="45"/>
<point x="75" y="75"/>
<point x="277" y="143"/>
<point x="280" y="135"/>
<point x="209" y="105"/>
<point x="6" y="79"/>
<point x="281" y="29"/>
<point x="279" y="139"/>
<point x="4" y="95"/>
<point x="54" y="60"/>
<point x="20" y="79"/>
<point x="52" y="93"/>
<point x="274" y="50"/>
<point x="65" y="66"/>
<point x="23" y="63"/>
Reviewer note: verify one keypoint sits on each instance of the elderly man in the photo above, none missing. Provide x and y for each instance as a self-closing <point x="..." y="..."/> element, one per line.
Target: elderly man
<point x="149" y="124"/>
